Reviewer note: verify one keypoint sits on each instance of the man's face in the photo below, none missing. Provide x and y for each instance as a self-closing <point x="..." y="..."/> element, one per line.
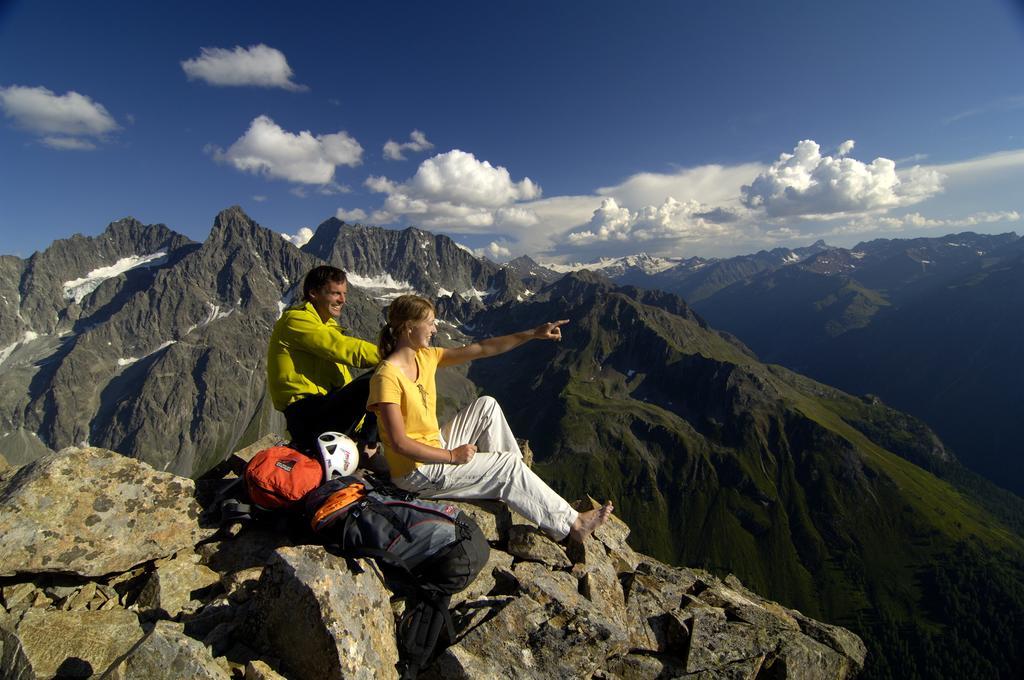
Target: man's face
<point x="329" y="300"/>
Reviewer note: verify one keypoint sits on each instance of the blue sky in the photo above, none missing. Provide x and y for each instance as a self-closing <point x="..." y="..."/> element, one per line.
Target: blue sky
<point x="562" y="130"/>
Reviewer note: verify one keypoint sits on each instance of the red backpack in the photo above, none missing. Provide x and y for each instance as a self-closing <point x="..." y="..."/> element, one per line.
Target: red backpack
<point x="278" y="477"/>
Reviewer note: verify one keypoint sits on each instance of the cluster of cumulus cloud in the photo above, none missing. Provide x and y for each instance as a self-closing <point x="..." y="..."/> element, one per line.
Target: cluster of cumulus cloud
<point x="805" y="186"/>
<point x="455" y="191"/>
<point x="807" y="183"/>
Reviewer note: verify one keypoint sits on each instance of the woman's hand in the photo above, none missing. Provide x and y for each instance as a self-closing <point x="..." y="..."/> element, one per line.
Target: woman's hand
<point x="550" y="330"/>
<point x="463" y="454"/>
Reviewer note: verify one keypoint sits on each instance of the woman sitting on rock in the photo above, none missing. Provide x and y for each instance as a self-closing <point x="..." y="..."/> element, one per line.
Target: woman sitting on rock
<point x="475" y="456"/>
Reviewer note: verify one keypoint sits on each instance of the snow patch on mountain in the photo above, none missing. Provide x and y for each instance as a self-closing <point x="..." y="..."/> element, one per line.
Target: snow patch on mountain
<point x="384" y="286"/>
<point x="77" y="289"/>
<point x="648" y="264"/>
<point x="128" y="361"/>
<point x="215" y="313"/>
<point x="6" y="352"/>
<point x="479" y="294"/>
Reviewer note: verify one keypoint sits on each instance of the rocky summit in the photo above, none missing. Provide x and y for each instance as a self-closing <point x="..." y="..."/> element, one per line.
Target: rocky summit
<point x="111" y="568"/>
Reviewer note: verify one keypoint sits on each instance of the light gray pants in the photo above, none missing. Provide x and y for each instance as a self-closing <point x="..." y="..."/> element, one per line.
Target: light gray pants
<point x="497" y="471"/>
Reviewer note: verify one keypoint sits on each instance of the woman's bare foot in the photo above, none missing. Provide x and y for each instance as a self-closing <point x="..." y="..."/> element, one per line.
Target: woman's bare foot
<point x="587" y="521"/>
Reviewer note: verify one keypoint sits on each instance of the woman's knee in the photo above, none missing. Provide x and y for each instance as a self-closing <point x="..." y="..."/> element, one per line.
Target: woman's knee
<point x="489" y="407"/>
<point x="487" y="402"/>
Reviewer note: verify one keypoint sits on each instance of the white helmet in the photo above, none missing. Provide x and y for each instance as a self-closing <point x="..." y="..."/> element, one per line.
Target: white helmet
<point x="339" y="454"/>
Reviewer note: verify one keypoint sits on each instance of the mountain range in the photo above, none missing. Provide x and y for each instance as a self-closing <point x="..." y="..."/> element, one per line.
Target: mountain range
<point x="838" y="505"/>
<point x="927" y="324"/>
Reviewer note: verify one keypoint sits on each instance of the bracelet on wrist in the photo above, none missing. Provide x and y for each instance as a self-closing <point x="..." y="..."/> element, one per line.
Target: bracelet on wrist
<point x="451" y="456"/>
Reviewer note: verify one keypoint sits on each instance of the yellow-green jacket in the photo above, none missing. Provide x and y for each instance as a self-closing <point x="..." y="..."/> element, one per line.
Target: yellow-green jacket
<point x="307" y="356"/>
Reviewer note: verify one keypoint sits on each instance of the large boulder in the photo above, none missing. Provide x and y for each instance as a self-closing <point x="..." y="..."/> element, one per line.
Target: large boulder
<point x="324" y="617"/>
<point x="168" y="654"/>
<point x="75" y="644"/>
<point x="92" y="512"/>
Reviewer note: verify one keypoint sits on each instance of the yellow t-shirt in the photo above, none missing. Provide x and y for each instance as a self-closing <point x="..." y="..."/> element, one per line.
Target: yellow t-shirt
<point x="418" y="401"/>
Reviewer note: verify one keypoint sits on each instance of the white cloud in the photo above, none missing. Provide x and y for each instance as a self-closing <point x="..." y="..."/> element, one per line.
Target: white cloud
<point x="703" y="199"/>
<point x="417" y="142"/>
<point x="259" y="198"/>
<point x="458" y="177"/>
<point x="334" y="189"/>
<point x="357" y="215"/>
<point x="495" y="251"/>
<point x="61" y="120"/>
<point x="68" y="143"/>
<point x="258" y="65"/>
<point x="917" y="221"/>
<point x="709" y="184"/>
<point x="380" y="185"/>
<point x="514" y="217"/>
<point x="454" y="191"/>
<point x="983" y="165"/>
<point x="807" y="183"/>
<point x="329" y="189"/>
<point x="300" y="238"/>
<point x="672" y="220"/>
<point x="998" y="105"/>
<point x="267" y="149"/>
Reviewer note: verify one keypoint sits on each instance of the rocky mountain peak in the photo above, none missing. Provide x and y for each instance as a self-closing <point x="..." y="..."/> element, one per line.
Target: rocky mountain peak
<point x="325" y="235"/>
<point x="232" y="224"/>
<point x="579" y="285"/>
<point x="522" y="262"/>
<point x="390" y="262"/>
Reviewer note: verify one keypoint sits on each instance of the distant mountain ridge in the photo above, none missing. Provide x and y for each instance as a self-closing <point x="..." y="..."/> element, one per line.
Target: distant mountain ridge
<point x="925" y="323"/>
<point x="693" y="278"/>
<point x="928" y="324"/>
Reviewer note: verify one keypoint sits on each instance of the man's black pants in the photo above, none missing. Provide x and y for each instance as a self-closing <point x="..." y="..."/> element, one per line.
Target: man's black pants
<point x="340" y="410"/>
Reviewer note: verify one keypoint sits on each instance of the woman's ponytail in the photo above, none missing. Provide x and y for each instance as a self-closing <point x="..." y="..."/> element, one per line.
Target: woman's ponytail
<point x="386" y="341"/>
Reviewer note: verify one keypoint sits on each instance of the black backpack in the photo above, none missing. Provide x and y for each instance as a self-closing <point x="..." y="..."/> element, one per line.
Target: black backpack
<point x="426" y="550"/>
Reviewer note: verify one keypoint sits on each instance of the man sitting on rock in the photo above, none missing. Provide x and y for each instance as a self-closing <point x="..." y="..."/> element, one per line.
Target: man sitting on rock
<point x="308" y="363"/>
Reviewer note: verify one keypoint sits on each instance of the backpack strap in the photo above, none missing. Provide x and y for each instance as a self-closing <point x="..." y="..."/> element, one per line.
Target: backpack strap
<point x="382" y="508"/>
<point x="419" y="630"/>
<point x="234" y="510"/>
